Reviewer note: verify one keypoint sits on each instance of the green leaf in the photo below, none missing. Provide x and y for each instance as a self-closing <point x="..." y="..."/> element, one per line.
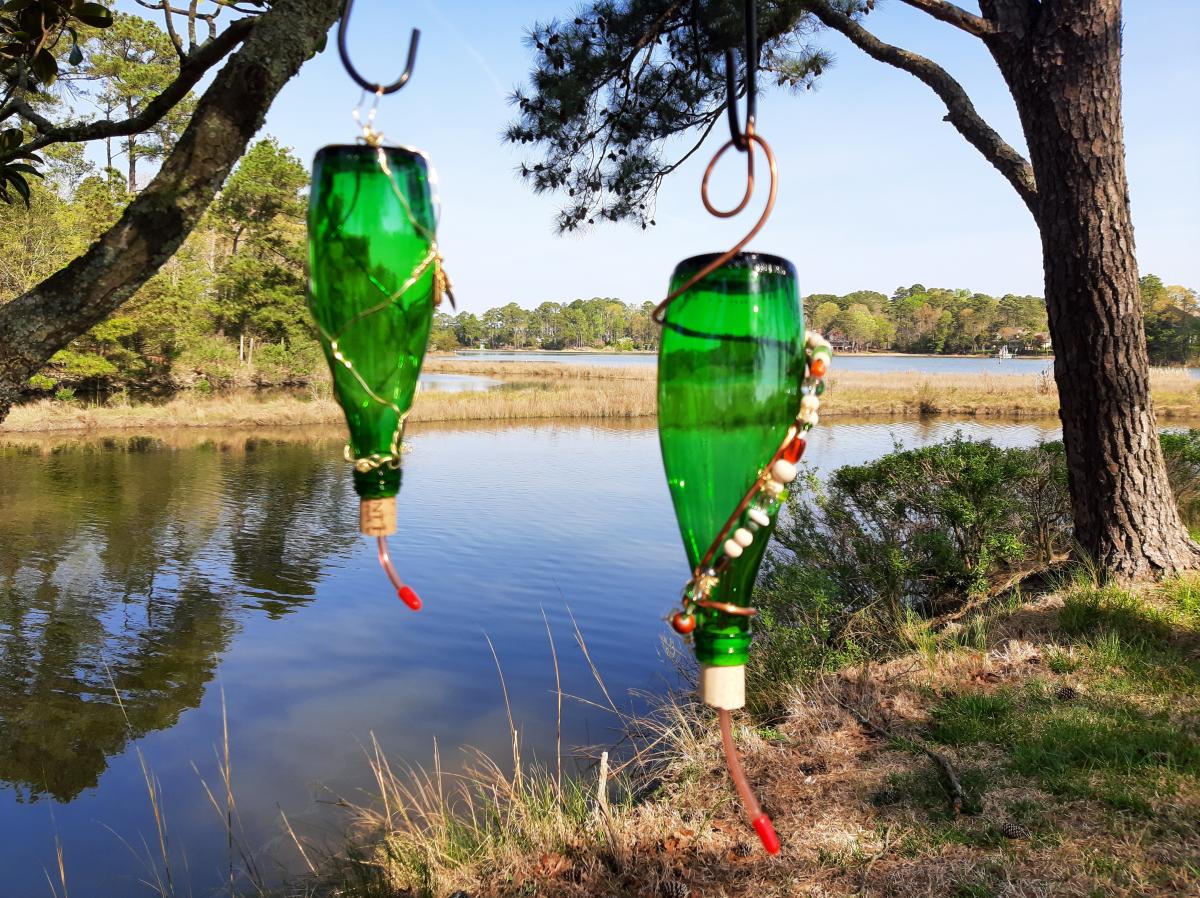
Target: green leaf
<point x="24" y="167"/>
<point x="45" y="67"/>
<point x="19" y="184"/>
<point x="76" y="56"/>
<point x="93" y="14"/>
<point x="15" y="5"/>
<point x="11" y="138"/>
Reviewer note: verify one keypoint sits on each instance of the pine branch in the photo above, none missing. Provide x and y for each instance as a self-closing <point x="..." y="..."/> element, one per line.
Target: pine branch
<point x="953" y="15"/>
<point x="961" y="112"/>
<point x="206" y="56"/>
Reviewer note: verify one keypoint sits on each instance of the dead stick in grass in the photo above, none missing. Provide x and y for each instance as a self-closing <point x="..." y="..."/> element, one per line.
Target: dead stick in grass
<point x="950" y="779"/>
<point x="887" y="839"/>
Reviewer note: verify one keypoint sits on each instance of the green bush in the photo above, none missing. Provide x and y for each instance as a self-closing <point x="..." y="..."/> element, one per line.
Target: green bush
<point x="1182" y="452"/>
<point x="42" y="382"/>
<point x="921" y="529"/>
<point x="64" y="394"/>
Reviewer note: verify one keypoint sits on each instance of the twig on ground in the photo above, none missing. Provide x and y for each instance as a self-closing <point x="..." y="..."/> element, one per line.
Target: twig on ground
<point x="950" y="780"/>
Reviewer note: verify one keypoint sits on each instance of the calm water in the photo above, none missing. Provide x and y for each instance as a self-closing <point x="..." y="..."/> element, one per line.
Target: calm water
<point x="176" y="569"/>
<point x="928" y="364"/>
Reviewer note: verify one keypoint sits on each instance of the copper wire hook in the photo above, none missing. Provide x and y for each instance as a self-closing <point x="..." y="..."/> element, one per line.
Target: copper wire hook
<point x="738" y="135"/>
<point x="362" y="82"/>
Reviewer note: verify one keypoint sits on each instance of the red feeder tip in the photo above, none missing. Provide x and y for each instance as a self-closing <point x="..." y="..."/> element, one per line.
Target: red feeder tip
<point x="409" y="597"/>
<point x="766" y="832"/>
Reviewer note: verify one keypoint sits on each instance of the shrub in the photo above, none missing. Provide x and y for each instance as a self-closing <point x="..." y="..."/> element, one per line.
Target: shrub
<point x="42" y="382"/>
<point x="918" y="532"/>
<point x="64" y="394"/>
<point x="1182" y="453"/>
<point x="920" y="529"/>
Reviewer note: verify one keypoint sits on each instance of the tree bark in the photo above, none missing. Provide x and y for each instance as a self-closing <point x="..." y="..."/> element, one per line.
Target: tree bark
<point x="131" y="152"/>
<point x="1064" y="71"/>
<point x="66" y="305"/>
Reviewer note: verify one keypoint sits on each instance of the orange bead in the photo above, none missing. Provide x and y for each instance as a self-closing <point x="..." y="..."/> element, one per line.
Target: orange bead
<point x="817" y="367"/>
<point x="794" y="450"/>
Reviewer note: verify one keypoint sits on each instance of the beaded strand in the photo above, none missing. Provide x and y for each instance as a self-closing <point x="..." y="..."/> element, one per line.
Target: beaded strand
<point x="762" y="501"/>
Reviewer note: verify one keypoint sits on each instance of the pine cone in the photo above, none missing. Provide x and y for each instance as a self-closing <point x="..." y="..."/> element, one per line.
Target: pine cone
<point x="743" y="849"/>
<point x="1066" y="693"/>
<point x="673" y="888"/>
<point x="1010" y="829"/>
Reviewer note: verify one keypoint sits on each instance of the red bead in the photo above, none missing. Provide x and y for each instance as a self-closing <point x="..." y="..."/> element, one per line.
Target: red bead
<point x="683" y="622"/>
<point x="817" y="367"/>
<point x="794" y="449"/>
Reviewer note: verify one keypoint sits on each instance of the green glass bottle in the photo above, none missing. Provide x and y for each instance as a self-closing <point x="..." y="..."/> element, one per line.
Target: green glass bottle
<point x="373" y="277"/>
<point x="729" y="377"/>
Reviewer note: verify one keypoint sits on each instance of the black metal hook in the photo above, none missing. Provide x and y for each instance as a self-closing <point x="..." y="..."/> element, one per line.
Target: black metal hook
<point x="353" y="72"/>
<point x="736" y="132"/>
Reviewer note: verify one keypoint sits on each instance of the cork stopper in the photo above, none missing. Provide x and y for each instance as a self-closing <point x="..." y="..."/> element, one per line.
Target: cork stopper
<point x="377" y="517"/>
<point x="723" y="688"/>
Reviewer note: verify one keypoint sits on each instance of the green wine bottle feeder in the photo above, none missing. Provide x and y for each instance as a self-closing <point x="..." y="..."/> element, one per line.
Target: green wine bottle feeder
<point x="739" y="382"/>
<point x="375" y="277"/>
<point x="734" y="403"/>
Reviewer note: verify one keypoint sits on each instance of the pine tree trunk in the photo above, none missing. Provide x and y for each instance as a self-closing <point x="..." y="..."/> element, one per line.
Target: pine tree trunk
<point x="1066" y="79"/>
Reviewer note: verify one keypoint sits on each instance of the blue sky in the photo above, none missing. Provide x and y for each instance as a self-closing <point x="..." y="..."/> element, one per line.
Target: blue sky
<point x="876" y="190"/>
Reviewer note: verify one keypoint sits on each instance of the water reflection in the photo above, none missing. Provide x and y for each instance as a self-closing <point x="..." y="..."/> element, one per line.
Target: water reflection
<point x="120" y="572"/>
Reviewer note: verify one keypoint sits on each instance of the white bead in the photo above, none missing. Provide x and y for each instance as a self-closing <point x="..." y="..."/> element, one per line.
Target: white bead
<point x="774" y="487"/>
<point x="743" y="537"/>
<point x="732" y="549"/>
<point x="809" y="418"/>
<point x="810" y="403"/>
<point x="758" y="517"/>
<point x="783" y="471"/>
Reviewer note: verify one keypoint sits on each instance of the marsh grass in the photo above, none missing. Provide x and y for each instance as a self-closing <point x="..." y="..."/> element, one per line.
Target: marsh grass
<point x="567" y="399"/>
<point x="580" y="392"/>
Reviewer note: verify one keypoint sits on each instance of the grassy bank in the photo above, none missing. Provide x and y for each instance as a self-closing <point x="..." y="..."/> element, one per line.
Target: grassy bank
<point x="565" y="400"/>
<point x="556" y="390"/>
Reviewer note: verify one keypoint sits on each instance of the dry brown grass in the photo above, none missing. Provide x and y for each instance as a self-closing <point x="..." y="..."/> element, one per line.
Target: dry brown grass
<point x="524" y="371"/>
<point x="555" y="390"/>
<point x="565" y="399"/>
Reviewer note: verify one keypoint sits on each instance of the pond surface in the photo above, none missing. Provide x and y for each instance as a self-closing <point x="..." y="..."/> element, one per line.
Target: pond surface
<point x="928" y="364"/>
<point x="191" y="571"/>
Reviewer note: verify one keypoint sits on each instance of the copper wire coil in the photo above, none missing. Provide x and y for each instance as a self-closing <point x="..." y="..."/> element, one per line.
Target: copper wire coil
<point x="750" y="139"/>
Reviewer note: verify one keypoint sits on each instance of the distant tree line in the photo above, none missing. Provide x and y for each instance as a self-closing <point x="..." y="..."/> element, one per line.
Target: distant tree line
<point x="228" y="309"/>
<point x="915" y="319"/>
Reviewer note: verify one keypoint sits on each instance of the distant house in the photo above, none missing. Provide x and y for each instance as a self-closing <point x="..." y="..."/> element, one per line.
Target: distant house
<point x="837" y="340"/>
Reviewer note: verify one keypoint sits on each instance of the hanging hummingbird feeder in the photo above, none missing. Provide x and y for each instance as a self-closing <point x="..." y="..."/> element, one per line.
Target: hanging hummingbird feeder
<point x="375" y="277"/>
<point x="738" y="387"/>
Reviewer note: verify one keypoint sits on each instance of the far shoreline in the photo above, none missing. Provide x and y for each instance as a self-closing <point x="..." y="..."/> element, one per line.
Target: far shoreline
<point x="844" y="353"/>
<point x="533" y="390"/>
